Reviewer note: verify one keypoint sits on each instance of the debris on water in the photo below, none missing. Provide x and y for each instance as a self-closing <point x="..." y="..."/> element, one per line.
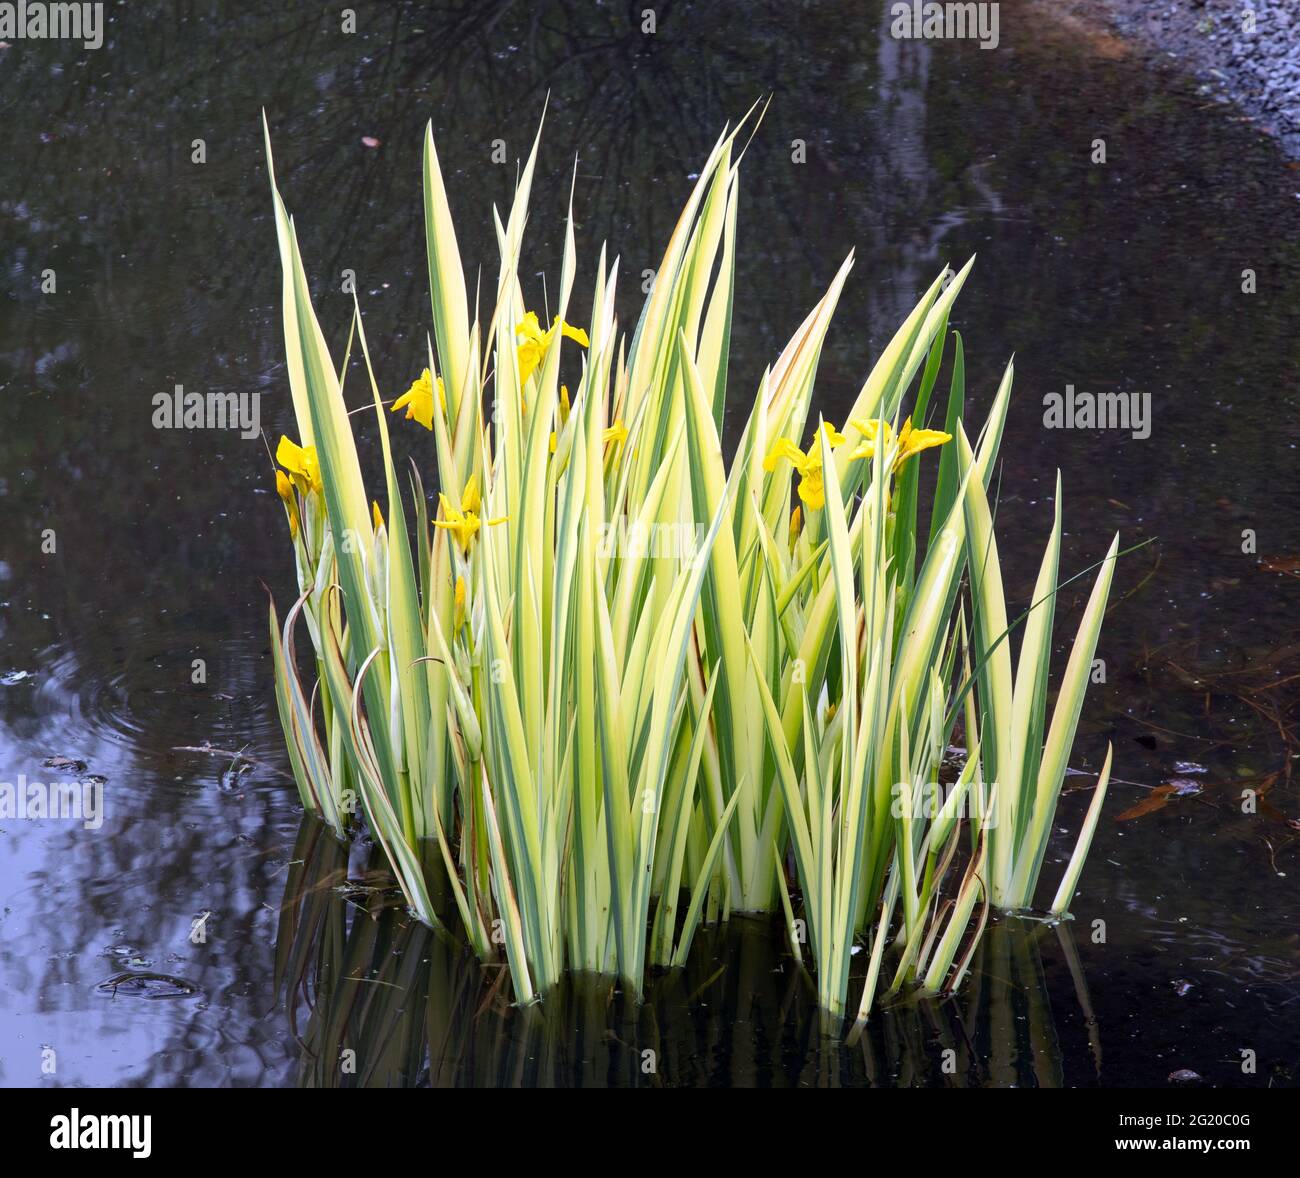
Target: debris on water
<point x="236" y="755"/>
<point x="1287" y="566"/>
<point x="1157" y="799"/>
<point x="233" y="774"/>
<point x="1182" y="987"/>
<point x="354" y="888"/>
<point x="1184" y="1076"/>
<point x="139" y="984"/>
<point x="1187" y="767"/>
<point x="129" y="956"/>
<point x="69" y="764"/>
<point x="369" y="141"/>
<point x="9" y="678"/>
<point x="1160" y="796"/>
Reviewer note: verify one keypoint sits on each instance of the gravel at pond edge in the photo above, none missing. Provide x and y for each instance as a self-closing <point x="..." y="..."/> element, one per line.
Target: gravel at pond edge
<point x="1257" y="68"/>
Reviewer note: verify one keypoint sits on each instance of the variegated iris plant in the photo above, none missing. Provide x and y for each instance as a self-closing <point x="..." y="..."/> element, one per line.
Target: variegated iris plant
<point x="603" y="686"/>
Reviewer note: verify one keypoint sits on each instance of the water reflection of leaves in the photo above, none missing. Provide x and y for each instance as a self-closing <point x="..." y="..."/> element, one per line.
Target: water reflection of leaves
<point x="390" y="1002"/>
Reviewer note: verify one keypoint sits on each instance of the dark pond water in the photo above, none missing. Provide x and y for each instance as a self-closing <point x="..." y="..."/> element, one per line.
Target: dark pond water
<point x="1118" y="277"/>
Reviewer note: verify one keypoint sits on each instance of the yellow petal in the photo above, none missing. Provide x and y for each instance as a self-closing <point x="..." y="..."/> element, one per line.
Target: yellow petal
<point x="783" y="448"/>
<point x="529" y="328"/>
<point x="283" y="487"/>
<point x="922" y="439"/>
<point x="874" y="432"/>
<point x="290" y="455"/>
<point x="462" y="527"/>
<point x="531" y="353"/>
<point x="378" y="516"/>
<point x="418" y="400"/>
<point x="812" y="491"/>
<point x="574" y="333"/>
<point x="312" y="463"/>
<point x="471" y="498"/>
<point x="301" y="462"/>
<point x="616" y="433"/>
<point x="871" y="428"/>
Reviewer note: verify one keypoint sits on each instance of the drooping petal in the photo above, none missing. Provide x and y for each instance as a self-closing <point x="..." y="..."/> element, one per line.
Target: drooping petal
<point x="574" y="333"/>
<point x="832" y="434"/>
<point x="784" y="448"/>
<point x="531" y="354"/>
<point x="812" y="491"/>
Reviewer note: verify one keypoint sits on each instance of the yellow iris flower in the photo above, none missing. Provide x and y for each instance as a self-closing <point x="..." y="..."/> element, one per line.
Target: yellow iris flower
<point x="536" y="342"/>
<point x="616" y="433"/>
<point x="418" y="399"/>
<point x="809" y="465"/>
<point x="301" y="462"/>
<point x="909" y="441"/>
<point x="463" y="522"/>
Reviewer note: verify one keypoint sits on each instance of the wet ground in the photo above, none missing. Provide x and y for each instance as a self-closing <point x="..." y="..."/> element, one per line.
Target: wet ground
<point x="257" y="951"/>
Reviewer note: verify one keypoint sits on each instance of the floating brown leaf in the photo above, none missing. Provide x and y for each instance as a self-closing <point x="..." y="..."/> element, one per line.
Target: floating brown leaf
<point x="1157" y="799"/>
